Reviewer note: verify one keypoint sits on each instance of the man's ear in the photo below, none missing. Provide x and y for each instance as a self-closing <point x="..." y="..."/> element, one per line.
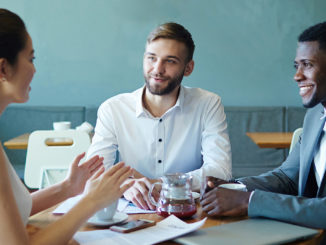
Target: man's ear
<point x="189" y="68"/>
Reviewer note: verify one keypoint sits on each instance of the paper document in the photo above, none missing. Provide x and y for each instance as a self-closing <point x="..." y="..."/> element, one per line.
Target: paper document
<point x="123" y="206"/>
<point x="167" y="229"/>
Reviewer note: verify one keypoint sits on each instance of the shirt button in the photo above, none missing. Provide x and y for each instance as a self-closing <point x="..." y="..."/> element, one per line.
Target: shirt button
<point x="161" y="120"/>
<point x="159" y="140"/>
<point x="159" y="161"/>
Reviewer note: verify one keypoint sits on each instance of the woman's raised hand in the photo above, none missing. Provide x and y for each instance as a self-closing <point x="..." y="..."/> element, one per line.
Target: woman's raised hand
<point x="78" y="174"/>
<point x="104" y="187"/>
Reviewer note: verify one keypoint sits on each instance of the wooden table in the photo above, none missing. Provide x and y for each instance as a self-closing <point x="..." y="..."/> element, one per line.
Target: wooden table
<point x="271" y="139"/>
<point x="46" y="217"/>
<point x="21" y="142"/>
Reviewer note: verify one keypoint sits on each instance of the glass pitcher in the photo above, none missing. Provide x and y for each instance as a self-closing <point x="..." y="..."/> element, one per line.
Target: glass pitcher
<point x="175" y="196"/>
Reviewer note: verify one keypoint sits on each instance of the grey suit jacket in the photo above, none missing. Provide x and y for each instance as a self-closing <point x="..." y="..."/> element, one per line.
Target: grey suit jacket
<point x="281" y="193"/>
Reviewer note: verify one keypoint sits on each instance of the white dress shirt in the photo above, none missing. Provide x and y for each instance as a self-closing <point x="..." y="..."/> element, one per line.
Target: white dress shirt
<point x="320" y="157"/>
<point x="191" y="135"/>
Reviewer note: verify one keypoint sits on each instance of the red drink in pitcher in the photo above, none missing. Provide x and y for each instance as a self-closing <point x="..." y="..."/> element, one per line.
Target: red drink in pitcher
<point x="179" y="208"/>
<point x="175" y="196"/>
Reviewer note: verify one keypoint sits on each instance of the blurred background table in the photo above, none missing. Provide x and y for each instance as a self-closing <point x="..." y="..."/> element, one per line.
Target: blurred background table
<point x="271" y="139"/>
<point x="21" y="142"/>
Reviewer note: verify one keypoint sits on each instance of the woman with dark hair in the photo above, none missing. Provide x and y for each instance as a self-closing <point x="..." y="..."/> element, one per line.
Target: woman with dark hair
<point x="16" y="204"/>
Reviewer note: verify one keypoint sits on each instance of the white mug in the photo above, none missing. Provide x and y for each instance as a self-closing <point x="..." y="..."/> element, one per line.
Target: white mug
<point x="234" y="186"/>
<point x="85" y="126"/>
<point x="108" y="212"/>
<point x="59" y="126"/>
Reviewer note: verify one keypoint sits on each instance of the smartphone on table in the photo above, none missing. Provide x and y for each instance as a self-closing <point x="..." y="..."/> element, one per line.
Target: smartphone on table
<point x="133" y="225"/>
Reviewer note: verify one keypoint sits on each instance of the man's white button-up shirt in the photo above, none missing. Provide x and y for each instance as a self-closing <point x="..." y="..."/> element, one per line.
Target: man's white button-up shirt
<point x="190" y="137"/>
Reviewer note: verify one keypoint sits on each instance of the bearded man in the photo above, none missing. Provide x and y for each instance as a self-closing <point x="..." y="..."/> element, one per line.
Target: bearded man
<point x="164" y="127"/>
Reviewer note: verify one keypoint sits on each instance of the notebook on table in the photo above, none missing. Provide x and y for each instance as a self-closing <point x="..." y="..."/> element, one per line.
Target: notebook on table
<point x="248" y="232"/>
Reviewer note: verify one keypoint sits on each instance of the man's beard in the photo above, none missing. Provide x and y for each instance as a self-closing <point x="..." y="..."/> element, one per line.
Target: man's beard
<point x="312" y="102"/>
<point x="172" y="84"/>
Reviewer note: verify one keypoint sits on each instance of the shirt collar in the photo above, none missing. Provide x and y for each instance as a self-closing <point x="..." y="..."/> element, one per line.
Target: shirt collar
<point x="141" y="111"/>
<point x="323" y="118"/>
<point x="180" y="99"/>
<point x="324" y="114"/>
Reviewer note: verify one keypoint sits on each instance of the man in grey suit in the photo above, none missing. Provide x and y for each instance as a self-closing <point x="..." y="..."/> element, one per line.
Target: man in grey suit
<point x="294" y="192"/>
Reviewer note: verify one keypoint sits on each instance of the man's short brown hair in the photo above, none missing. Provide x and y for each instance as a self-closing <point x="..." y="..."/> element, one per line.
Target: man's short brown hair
<point x="176" y="32"/>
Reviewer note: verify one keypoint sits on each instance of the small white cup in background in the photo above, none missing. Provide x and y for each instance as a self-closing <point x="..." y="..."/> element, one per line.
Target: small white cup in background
<point x="59" y="126"/>
<point x="108" y="212"/>
<point x="234" y="186"/>
<point x="85" y="126"/>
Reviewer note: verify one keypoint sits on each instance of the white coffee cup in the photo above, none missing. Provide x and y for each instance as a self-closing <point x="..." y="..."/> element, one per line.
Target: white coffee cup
<point x="108" y="212"/>
<point x="234" y="186"/>
<point x="85" y="126"/>
<point x="59" y="126"/>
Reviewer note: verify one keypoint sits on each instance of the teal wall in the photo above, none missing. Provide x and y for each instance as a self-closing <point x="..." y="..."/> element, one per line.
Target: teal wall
<point x="89" y="50"/>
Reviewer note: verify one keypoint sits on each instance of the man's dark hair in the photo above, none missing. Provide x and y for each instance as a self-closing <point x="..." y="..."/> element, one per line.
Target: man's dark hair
<point x="176" y="32"/>
<point x="315" y="33"/>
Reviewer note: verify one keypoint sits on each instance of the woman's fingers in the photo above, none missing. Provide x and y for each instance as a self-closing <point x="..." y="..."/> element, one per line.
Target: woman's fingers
<point x="122" y="176"/>
<point x="117" y="171"/>
<point x="111" y="171"/>
<point x="126" y="186"/>
<point x="77" y="159"/>
<point x="91" y="161"/>
<point x="98" y="173"/>
<point x="96" y="165"/>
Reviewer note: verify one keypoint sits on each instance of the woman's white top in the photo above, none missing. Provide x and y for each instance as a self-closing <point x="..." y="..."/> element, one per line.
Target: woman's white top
<point x="21" y="194"/>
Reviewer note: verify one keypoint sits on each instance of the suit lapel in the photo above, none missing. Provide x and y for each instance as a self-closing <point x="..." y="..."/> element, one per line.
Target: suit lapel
<point x="311" y="134"/>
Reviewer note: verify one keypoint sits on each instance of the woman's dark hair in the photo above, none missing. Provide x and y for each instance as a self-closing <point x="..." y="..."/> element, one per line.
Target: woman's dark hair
<point x="13" y="35"/>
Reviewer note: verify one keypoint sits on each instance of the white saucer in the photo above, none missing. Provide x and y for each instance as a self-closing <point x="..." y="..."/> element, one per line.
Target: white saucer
<point x="195" y="195"/>
<point x="117" y="218"/>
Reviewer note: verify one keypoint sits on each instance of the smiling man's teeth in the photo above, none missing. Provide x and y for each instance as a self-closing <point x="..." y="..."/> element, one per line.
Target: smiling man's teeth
<point x="305" y="89"/>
